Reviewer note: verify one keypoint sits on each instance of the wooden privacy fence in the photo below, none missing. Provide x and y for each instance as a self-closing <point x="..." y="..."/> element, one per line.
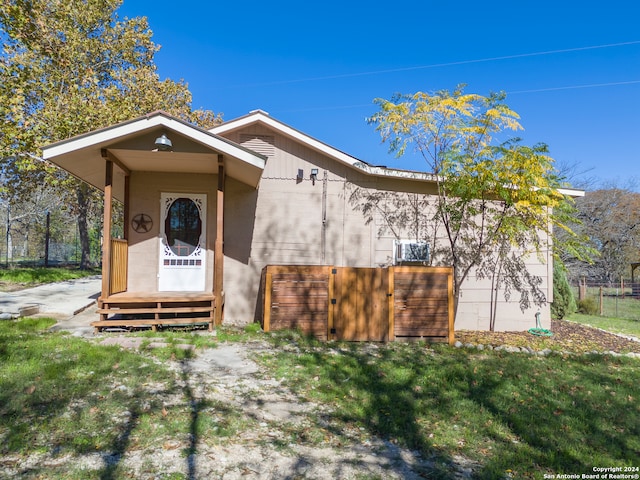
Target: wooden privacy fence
<point x="360" y="304"/>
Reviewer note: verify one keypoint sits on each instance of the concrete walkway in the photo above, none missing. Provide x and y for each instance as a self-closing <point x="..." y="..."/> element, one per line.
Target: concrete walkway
<point x="62" y="300"/>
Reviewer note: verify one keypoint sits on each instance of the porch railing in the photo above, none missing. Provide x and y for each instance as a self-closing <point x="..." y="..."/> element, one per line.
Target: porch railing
<point x="119" y="260"/>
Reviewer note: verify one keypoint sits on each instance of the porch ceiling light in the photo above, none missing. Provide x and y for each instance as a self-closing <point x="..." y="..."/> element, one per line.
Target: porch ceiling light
<point x="163" y="143"/>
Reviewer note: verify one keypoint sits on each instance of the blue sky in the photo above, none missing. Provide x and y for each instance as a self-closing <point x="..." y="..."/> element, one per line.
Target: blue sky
<point x="317" y="66"/>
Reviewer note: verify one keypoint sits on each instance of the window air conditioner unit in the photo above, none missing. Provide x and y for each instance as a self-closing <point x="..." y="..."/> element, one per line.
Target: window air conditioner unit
<point x="407" y="251"/>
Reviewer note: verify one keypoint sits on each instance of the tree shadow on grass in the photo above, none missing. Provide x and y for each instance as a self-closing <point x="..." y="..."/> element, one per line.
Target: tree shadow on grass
<point x="492" y="412"/>
<point x="62" y="395"/>
<point x="551" y="415"/>
<point x="113" y="458"/>
<point x="45" y="397"/>
<point x="376" y="402"/>
<point x="195" y="406"/>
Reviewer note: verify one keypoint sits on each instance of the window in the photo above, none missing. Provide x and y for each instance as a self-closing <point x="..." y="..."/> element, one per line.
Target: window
<point x="183" y="227"/>
<point x="409" y="251"/>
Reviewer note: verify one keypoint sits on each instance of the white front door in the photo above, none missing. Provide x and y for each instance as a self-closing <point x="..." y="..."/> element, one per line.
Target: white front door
<point x="182" y="242"/>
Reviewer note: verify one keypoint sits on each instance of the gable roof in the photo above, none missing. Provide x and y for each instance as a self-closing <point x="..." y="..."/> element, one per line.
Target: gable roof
<point x="262" y="117"/>
<point x="195" y="150"/>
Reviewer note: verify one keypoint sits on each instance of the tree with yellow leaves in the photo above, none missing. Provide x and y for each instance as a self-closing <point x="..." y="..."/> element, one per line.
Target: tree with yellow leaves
<point x="497" y="200"/>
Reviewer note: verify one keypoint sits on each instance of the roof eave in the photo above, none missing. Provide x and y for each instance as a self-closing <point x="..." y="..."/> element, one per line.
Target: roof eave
<point x="260" y="116"/>
<point x="153" y="120"/>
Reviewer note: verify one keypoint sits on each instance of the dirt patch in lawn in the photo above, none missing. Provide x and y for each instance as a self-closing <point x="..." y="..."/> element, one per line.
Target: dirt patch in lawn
<point x="11" y="287"/>
<point x="276" y="433"/>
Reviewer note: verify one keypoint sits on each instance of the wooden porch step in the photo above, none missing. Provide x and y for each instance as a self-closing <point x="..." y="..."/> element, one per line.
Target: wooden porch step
<point x="150" y="322"/>
<point x="158" y="304"/>
<point x="117" y="310"/>
<point x="155" y="297"/>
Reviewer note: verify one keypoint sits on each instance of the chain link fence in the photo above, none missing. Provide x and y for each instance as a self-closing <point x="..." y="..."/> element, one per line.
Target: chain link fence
<point x="620" y="301"/>
<point x="59" y="254"/>
<point x="29" y="247"/>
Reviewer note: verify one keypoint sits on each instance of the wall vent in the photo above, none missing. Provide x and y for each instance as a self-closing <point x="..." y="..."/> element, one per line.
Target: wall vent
<point x="263" y="144"/>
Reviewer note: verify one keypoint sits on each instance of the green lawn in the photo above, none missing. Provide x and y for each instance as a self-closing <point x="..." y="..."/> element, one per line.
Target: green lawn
<point x="626" y="326"/>
<point x="12" y="278"/>
<point x="619" y="315"/>
<point x="65" y="395"/>
<point x="514" y="414"/>
<point x="614" y="304"/>
<point x="517" y="415"/>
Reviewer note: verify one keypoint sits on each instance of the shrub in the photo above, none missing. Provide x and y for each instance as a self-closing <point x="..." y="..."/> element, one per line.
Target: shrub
<point x="564" y="302"/>
<point x="588" y="306"/>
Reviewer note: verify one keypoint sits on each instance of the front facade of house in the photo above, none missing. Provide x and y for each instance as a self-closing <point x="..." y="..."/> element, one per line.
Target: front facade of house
<point x="209" y="214"/>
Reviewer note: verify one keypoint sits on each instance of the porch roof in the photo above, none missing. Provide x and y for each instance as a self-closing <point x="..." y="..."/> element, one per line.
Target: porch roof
<point x="131" y="146"/>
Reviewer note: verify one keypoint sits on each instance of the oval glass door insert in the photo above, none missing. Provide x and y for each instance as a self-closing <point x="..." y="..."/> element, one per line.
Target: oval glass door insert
<point x="183" y="227"/>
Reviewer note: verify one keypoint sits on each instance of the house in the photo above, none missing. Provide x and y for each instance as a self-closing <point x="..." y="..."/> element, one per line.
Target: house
<point x="206" y="212"/>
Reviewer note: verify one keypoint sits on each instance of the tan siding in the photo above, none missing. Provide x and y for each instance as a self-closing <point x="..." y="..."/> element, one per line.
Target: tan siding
<point x="281" y="223"/>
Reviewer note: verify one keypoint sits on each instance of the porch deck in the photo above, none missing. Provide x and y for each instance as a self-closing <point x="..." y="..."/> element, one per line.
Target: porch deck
<point x="153" y="309"/>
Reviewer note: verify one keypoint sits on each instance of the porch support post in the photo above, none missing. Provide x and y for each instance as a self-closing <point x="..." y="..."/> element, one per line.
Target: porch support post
<point x="125" y="227"/>
<point x="218" y="255"/>
<point x="106" y="229"/>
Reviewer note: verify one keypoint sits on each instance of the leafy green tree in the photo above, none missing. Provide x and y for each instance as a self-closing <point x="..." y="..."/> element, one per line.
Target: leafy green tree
<point x="609" y="218"/>
<point x="564" y="302"/>
<point x="497" y="201"/>
<point x="69" y="67"/>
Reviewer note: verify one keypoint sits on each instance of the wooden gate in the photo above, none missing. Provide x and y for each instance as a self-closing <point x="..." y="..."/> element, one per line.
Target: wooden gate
<point x="360" y="304"/>
<point x="423" y="302"/>
<point x="297" y="297"/>
<point x="361" y="299"/>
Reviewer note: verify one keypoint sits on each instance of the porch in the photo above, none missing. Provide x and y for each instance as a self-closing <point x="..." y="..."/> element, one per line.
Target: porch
<point x="121" y="308"/>
<point x="170" y="178"/>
